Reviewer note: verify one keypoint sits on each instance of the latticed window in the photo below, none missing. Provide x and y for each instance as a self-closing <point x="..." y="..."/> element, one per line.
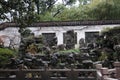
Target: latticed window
<point x="64" y="38"/>
<point x="48" y="38"/>
<point x="90" y="36"/>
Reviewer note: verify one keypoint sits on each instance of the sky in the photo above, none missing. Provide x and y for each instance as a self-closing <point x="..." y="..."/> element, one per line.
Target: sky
<point x="60" y="1"/>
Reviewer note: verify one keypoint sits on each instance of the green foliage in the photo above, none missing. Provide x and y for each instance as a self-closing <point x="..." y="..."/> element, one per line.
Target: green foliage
<point x="103" y="56"/>
<point x="87" y="10"/>
<point x="105" y="30"/>
<point x="112" y="31"/>
<point x="113" y="34"/>
<point x="26" y="12"/>
<point x="95" y="10"/>
<point x="5" y="55"/>
<point x="104" y="9"/>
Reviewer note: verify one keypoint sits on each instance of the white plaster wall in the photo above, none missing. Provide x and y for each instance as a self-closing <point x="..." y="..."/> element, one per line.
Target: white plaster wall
<point x="11" y="32"/>
<point x="96" y="28"/>
<point x="59" y="35"/>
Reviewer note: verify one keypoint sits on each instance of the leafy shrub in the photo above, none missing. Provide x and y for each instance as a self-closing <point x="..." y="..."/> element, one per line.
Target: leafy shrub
<point x="5" y="55"/>
<point x="110" y="37"/>
<point x="103" y="56"/>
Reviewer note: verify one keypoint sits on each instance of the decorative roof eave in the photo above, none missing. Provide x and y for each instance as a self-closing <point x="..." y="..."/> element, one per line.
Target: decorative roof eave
<point x="62" y="23"/>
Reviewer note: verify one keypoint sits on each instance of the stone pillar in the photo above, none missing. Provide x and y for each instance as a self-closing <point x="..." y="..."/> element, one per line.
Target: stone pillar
<point x="104" y="72"/>
<point x="59" y="35"/>
<point x="45" y="73"/>
<point x="80" y="34"/>
<point x="98" y="66"/>
<point x="20" y="75"/>
<point x="117" y="67"/>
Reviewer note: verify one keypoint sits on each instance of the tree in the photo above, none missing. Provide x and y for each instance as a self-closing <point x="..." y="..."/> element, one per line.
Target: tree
<point x="104" y="9"/>
<point x="26" y="12"/>
<point x="21" y="11"/>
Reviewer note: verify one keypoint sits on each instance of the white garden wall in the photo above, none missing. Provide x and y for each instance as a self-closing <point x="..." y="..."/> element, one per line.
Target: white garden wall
<point x="13" y="34"/>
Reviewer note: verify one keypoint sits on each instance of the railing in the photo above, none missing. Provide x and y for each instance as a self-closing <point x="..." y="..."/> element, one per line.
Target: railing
<point x="108" y="74"/>
<point x="48" y="74"/>
<point x="100" y="73"/>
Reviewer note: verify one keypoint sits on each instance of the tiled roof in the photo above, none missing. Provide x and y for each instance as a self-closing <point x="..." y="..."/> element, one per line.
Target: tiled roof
<point x="62" y="23"/>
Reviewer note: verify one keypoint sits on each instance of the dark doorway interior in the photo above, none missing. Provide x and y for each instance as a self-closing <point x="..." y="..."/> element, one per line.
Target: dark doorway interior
<point x="90" y="36"/>
<point x="48" y="38"/>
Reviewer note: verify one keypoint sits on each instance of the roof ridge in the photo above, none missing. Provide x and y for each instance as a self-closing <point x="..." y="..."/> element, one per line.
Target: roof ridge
<point x="62" y="23"/>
